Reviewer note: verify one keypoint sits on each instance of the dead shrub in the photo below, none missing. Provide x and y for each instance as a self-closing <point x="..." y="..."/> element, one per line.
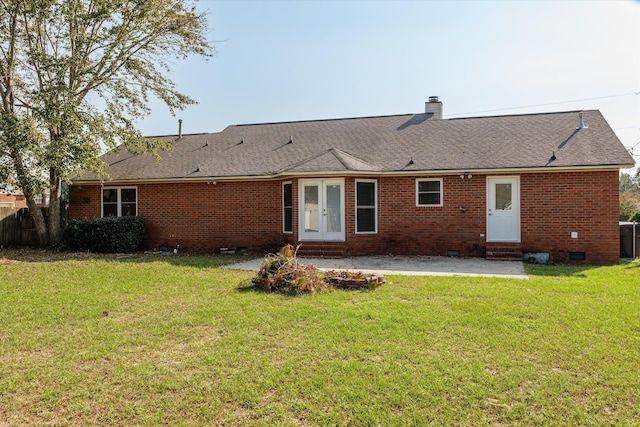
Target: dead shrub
<point x="284" y="273"/>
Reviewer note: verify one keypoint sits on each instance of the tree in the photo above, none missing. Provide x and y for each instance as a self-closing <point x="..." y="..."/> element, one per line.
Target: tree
<point x="628" y="183"/>
<point x="629" y="195"/>
<point x="629" y="205"/>
<point x="74" y="76"/>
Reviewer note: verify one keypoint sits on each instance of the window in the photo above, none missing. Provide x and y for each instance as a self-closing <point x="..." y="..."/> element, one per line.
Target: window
<point x="429" y="192"/>
<point x="503" y="197"/>
<point x="119" y="201"/>
<point x="287" y="208"/>
<point x="366" y="215"/>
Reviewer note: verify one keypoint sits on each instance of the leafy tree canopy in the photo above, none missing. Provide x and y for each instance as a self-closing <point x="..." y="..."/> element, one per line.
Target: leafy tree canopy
<point x="75" y="74"/>
<point x="629" y="183"/>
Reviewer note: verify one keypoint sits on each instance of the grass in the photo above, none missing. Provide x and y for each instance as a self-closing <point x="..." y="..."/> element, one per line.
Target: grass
<point x="172" y="341"/>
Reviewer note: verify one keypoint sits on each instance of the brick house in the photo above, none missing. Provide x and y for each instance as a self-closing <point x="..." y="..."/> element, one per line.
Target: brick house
<point x="11" y="198"/>
<point x="412" y="184"/>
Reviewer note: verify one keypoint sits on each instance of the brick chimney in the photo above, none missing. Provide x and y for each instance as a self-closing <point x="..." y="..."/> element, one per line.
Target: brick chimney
<point x="433" y="106"/>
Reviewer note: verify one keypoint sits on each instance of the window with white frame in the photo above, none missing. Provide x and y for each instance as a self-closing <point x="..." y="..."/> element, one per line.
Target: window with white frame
<point x="287" y="207"/>
<point x="366" y="206"/>
<point x="429" y="192"/>
<point x="119" y="201"/>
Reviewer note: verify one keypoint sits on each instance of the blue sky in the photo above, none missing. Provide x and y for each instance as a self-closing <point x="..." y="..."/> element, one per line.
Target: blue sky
<point x="305" y="60"/>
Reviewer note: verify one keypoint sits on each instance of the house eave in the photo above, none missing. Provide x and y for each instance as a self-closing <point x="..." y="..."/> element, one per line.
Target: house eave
<point x="478" y="171"/>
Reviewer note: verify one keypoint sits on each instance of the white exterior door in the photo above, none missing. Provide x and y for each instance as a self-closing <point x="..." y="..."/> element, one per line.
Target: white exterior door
<point x="321" y="210"/>
<point x="503" y="209"/>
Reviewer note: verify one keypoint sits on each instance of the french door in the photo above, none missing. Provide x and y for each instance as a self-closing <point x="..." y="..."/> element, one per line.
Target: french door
<point x="321" y="210"/>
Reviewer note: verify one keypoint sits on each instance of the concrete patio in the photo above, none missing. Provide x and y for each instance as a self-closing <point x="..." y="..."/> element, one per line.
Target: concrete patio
<point x="410" y="266"/>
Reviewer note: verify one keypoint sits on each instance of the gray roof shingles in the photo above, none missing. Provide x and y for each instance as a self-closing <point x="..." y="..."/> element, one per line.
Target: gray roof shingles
<point x="387" y="144"/>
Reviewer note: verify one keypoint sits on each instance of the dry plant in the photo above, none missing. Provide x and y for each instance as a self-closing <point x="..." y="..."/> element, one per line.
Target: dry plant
<point x="284" y="273"/>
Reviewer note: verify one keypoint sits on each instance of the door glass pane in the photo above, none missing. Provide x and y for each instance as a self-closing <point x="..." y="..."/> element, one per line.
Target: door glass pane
<point x="503" y="197"/>
<point x="334" y="223"/>
<point x="311" y="208"/>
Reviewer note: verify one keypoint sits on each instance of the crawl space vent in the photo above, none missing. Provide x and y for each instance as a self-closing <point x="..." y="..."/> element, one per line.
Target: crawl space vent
<point x="577" y="256"/>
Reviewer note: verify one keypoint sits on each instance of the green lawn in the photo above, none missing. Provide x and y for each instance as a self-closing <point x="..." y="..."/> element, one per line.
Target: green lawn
<point x="173" y="341"/>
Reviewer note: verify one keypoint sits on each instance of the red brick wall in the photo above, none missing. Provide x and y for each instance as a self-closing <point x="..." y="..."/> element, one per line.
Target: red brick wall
<point x="555" y="204"/>
<point x="200" y="216"/>
<point x="404" y="228"/>
<point x="205" y="217"/>
<point x="552" y="205"/>
<point x="18" y="199"/>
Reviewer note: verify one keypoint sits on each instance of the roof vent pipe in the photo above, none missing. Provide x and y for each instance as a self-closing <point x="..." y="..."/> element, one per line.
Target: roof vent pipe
<point x="581" y="124"/>
<point x="433" y="106"/>
<point x="179" y="128"/>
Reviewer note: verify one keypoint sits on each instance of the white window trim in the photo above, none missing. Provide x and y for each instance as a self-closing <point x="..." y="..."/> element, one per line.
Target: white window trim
<point x="119" y="204"/>
<point x="283" y="221"/>
<point x="418" y="181"/>
<point x="375" y="205"/>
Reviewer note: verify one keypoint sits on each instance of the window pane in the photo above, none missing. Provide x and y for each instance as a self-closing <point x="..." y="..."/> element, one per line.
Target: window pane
<point x="110" y="209"/>
<point x="503" y="197"/>
<point x="365" y="193"/>
<point x="311" y="222"/>
<point x="128" y="195"/>
<point x="128" y="209"/>
<point x="334" y="214"/>
<point x="429" y="199"/>
<point x="288" y="219"/>
<point x="110" y="195"/>
<point x="287" y="207"/>
<point x="366" y="220"/>
<point x="428" y="186"/>
<point x="286" y="195"/>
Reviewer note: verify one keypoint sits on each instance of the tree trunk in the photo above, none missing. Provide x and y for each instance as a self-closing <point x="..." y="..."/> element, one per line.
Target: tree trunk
<point x="55" y="209"/>
<point x="39" y="221"/>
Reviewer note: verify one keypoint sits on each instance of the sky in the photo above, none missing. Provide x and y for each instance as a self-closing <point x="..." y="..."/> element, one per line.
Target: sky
<point x="292" y="60"/>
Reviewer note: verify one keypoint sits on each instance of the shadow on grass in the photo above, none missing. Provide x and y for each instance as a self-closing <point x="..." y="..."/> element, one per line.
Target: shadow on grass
<point x="186" y="260"/>
<point x="572" y="270"/>
<point x="32" y="255"/>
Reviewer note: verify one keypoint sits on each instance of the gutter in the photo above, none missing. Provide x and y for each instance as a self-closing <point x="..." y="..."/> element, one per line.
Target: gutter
<point x="282" y="175"/>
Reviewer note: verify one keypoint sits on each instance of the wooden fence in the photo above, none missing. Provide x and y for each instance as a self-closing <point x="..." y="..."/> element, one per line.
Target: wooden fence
<point x="16" y="227"/>
<point x="10" y="230"/>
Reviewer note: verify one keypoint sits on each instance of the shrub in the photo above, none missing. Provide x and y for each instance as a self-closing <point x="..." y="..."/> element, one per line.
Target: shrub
<point x="635" y="216"/>
<point x="110" y="234"/>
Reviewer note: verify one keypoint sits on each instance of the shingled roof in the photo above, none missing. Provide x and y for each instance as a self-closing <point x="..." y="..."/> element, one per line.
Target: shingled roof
<point x="411" y="143"/>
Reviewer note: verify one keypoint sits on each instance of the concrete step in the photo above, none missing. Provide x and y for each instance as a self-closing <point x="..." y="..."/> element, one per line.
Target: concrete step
<point x="322" y="250"/>
<point x="504" y="253"/>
